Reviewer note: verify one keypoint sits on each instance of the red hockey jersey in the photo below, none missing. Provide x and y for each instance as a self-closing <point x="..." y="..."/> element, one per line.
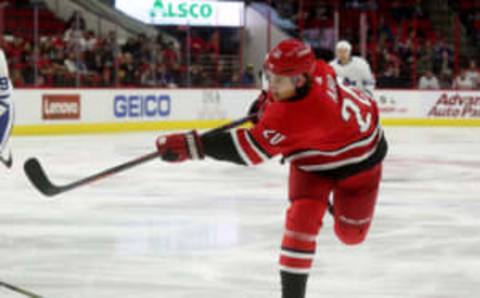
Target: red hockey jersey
<point x="333" y="130"/>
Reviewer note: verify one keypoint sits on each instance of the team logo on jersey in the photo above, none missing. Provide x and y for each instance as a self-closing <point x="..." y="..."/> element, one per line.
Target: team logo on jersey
<point x="349" y="82"/>
<point x="273" y="137"/>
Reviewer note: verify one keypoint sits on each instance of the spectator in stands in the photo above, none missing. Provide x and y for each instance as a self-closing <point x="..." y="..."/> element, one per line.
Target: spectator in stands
<point x="75" y="40"/>
<point x="28" y="71"/>
<point x="248" y="76"/>
<point x="74" y="35"/>
<point x="90" y="41"/>
<point x="224" y="74"/>
<point x="128" y="73"/>
<point x="285" y="8"/>
<point x="235" y="81"/>
<point x="473" y="74"/>
<point x="164" y="77"/>
<point x="402" y="9"/>
<point x="443" y="67"/>
<point x="446" y="63"/>
<point x="385" y="34"/>
<point x="60" y="72"/>
<point x="319" y="29"/>
<point x="196" y="75"/>
<point x="147" y="76"/>
<point x="197" y="46"/>
<point x="17" y="78"/>
<point x="425" y="57"/>
<point x="108" y="51"/>
<point x="428" y="82"/>
<point x="45" y="69"/>
<point x="462" y="82"/>
<point x="16" y="52"/>
<point x="75" y="63"/>
<point x="213" y="44"/>
<point x="443" y="58"/>
<point x="360" y="4"/>
<point x="390" y="77"/>
<point x="93" y="57"/>
<point x="131" y="46"/>
<point x="405" y="45"/>
<point x="170" y="56"/>
<point x="76" y="21"/>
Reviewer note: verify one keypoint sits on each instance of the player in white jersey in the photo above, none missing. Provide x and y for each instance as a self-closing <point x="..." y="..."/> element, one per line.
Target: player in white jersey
<point x="6" y="111"/>
<point x="352" y="70"/>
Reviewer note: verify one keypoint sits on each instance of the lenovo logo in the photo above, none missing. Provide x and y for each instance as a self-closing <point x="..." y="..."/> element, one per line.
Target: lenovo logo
<point x="60" y="107"/>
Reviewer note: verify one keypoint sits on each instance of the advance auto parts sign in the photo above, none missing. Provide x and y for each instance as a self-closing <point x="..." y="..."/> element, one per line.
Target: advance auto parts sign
<point x="60" y="107"/>
<point x="185" y="12"/>
<point x="456" y="106"/>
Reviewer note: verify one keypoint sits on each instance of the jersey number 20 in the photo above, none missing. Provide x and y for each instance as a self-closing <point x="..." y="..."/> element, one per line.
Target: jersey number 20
<point x="351" y="107"/>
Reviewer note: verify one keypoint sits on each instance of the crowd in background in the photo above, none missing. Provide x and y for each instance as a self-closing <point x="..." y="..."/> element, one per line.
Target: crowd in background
<point x="395" y="50"/>
<point x="80" y="57"/>
<point x="206" y="57"/>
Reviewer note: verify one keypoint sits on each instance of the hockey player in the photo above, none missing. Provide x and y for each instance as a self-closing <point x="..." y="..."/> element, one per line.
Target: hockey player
<point x="332" y="138"/>
<point x="353" y="70"/>
<point x="6" y="111"/>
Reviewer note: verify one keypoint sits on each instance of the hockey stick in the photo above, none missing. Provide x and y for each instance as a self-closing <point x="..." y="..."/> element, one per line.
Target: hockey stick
<point x="39" y="179"/>
<point x="19" y="290"/>
<point x="8" y="162"/>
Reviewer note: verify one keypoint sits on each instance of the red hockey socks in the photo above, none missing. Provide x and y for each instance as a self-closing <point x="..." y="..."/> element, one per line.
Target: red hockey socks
<point x="304" y="219"/>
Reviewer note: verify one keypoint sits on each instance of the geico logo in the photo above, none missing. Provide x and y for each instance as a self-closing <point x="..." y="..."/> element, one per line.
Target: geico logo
<point x="61" y="108"/>
<point x="133" y="106"/>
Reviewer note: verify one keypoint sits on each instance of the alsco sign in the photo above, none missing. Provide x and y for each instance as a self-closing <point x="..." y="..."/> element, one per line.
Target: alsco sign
<point x="185" y="12"/>
<point x="181" y="9"/>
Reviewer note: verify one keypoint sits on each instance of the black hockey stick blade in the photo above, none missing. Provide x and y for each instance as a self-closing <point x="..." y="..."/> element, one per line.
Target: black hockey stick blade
<point x="36" y="175"/>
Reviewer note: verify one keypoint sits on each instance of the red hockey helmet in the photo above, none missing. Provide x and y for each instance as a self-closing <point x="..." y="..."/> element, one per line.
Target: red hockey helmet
<point x="290" y="57"/>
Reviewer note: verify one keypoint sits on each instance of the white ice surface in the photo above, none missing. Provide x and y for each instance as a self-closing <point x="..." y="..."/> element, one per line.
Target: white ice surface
<point x="209" y="229"/>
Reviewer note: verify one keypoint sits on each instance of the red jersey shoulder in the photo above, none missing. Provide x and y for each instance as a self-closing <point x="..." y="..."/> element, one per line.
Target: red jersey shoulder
<point x="323" y="68"/>
<point x="325" y="77"/>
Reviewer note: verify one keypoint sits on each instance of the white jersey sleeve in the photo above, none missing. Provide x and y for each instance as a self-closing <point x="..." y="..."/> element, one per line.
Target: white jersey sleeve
<point x="6" y="107"/>
<point x="5" y="84"/>
<point x="356" y="73"/>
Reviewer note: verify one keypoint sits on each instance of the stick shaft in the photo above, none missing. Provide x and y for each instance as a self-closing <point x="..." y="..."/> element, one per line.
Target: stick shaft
<point x="150" y="156"/>
<point x="19" y="290"/>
